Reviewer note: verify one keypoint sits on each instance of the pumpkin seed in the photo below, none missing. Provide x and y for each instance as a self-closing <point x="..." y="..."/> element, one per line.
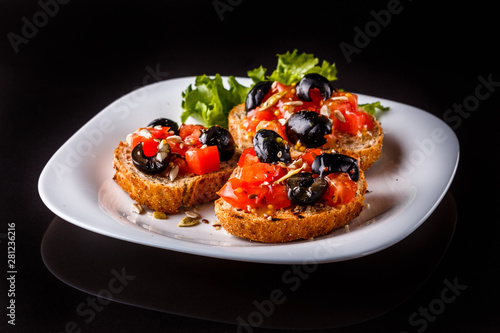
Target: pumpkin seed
<point x="188" y="222"/>
<point x="159" y="215"/>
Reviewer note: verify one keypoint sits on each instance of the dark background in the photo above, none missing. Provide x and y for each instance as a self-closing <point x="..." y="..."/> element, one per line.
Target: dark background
<point x="90" y="53"/>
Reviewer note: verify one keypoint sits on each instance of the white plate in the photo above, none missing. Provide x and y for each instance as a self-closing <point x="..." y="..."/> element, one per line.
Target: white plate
<point x="418" y="162"/>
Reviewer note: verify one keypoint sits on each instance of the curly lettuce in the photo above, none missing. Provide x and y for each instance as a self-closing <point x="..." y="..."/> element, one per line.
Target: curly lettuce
<point x="292" y="67"/>
<point x="209" y="102"/>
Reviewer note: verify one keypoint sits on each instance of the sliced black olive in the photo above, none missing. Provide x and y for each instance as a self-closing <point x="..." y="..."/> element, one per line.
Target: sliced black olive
<point x="303" y="189"/>
<point x="313" y="80"/>
<point x="256" y="94"/>
<point x="165" y="123"/>
<point x="270" y="147"/>
<point x="328" y="163"/>
<point x="308" y="127"/>
<point x="150" y="165"/>
<point x="220" y="137"/>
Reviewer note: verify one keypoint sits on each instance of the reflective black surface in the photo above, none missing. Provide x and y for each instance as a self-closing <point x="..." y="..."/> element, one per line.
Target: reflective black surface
<point x="307" y="296"/>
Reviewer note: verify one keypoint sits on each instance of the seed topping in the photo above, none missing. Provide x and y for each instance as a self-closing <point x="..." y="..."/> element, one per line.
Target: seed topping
<point x="339" y="115"/>
<point x="188" y="222"/>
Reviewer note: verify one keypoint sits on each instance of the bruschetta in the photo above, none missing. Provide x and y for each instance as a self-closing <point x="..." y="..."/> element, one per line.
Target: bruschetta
<point x="274" y="197"/>
<point x="164" y="166"/>
<point x="309" y="114"/>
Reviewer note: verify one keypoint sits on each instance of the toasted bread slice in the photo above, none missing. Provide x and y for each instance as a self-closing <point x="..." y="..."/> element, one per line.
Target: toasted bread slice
<point x="290" y="223"/>
<point x="160" y="193"/>
<point x="367" y="147"/>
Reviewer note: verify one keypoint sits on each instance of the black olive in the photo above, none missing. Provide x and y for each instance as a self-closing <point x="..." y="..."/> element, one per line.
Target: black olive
<point x="165" y="123"/>
<point x="303" y="189"/>
<point x="220" y="137"/>
<point x="256" y="94"/>
<point x="328" y="163"/>
<point x="308" y="127"/>
<point x="313" y="80"/>
<point x="270" y="147"/>
<point x="150" y="165"/>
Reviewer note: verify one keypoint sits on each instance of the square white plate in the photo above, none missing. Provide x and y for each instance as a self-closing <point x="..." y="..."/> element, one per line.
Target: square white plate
<point x="419" y="160"/>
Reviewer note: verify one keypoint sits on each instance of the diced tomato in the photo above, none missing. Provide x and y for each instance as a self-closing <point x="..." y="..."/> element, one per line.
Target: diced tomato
<point x="183" y="167"/>
<point x="342" y="100"/>
<point x="315" y="104"/>
<point x="150" y="147"/>
<point x="176" y="147"/>
<point x="248" y="157"/>
<point x="157" y="133"/>
<point x="248" y="190"/>
<point x="341" y="189"/>
<point x="234" y="193"/>
<point x="277" y="87"/>
<point x="191" y="133"/>
<point x="272" y="125"/>
<point x="136" y="139"/>
<point x="254" y="117"/>
<point x="160" y="133"/>
<point x="310" y="154"/>
<point x="331" y="141"/>
<point x="273" y="198"/>
<point x="347" y="104"/>
<point x="203" y="160"/>
<point x="355" y="121"/>
<point x="257" y="173"/>
<point x="240" y="194"/>
<point x="277" y="197"/>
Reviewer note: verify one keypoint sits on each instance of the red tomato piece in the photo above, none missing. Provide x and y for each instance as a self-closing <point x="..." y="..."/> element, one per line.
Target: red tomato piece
<point x="157" y="133"/>
<point x="331" y="141"/>
<point x="191" y="133"/>
<point x="272" y="125"/>
<point x="248" y="190"/>
<point x="149" y="147"/>
<point x="248" y="156"/>
<point x="257" y="173"/>
<point x="240" y="194"/>
<point x="341" y="189"/>
<point x="275" y="198"/>
<point x="315" y="104"/>
<point x="203" y="160"/>
<point x="136" y="139"/>
<point x="347" y="104"/>
<point x="160" y="133"/>
<point x="310" y="154"/>
<point x="233" y="192"/>
<point x="355" y="121"/>
<point x="183" y="167"/>
<point x="256" y="116"/>
<point x="175" y="147"/>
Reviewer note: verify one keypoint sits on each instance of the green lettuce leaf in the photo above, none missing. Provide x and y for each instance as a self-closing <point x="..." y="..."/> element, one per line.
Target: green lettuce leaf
<point x="258" y="74"/>
<point x="292" y="67"/>
<point x="209" y="102"/>
<point x="373" y="108"/>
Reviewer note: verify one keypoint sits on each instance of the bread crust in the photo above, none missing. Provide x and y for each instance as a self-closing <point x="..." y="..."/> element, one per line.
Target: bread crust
<point x="158" y="192"/>
<point x="366" y="148"/>
<point x="291" y="223"/>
